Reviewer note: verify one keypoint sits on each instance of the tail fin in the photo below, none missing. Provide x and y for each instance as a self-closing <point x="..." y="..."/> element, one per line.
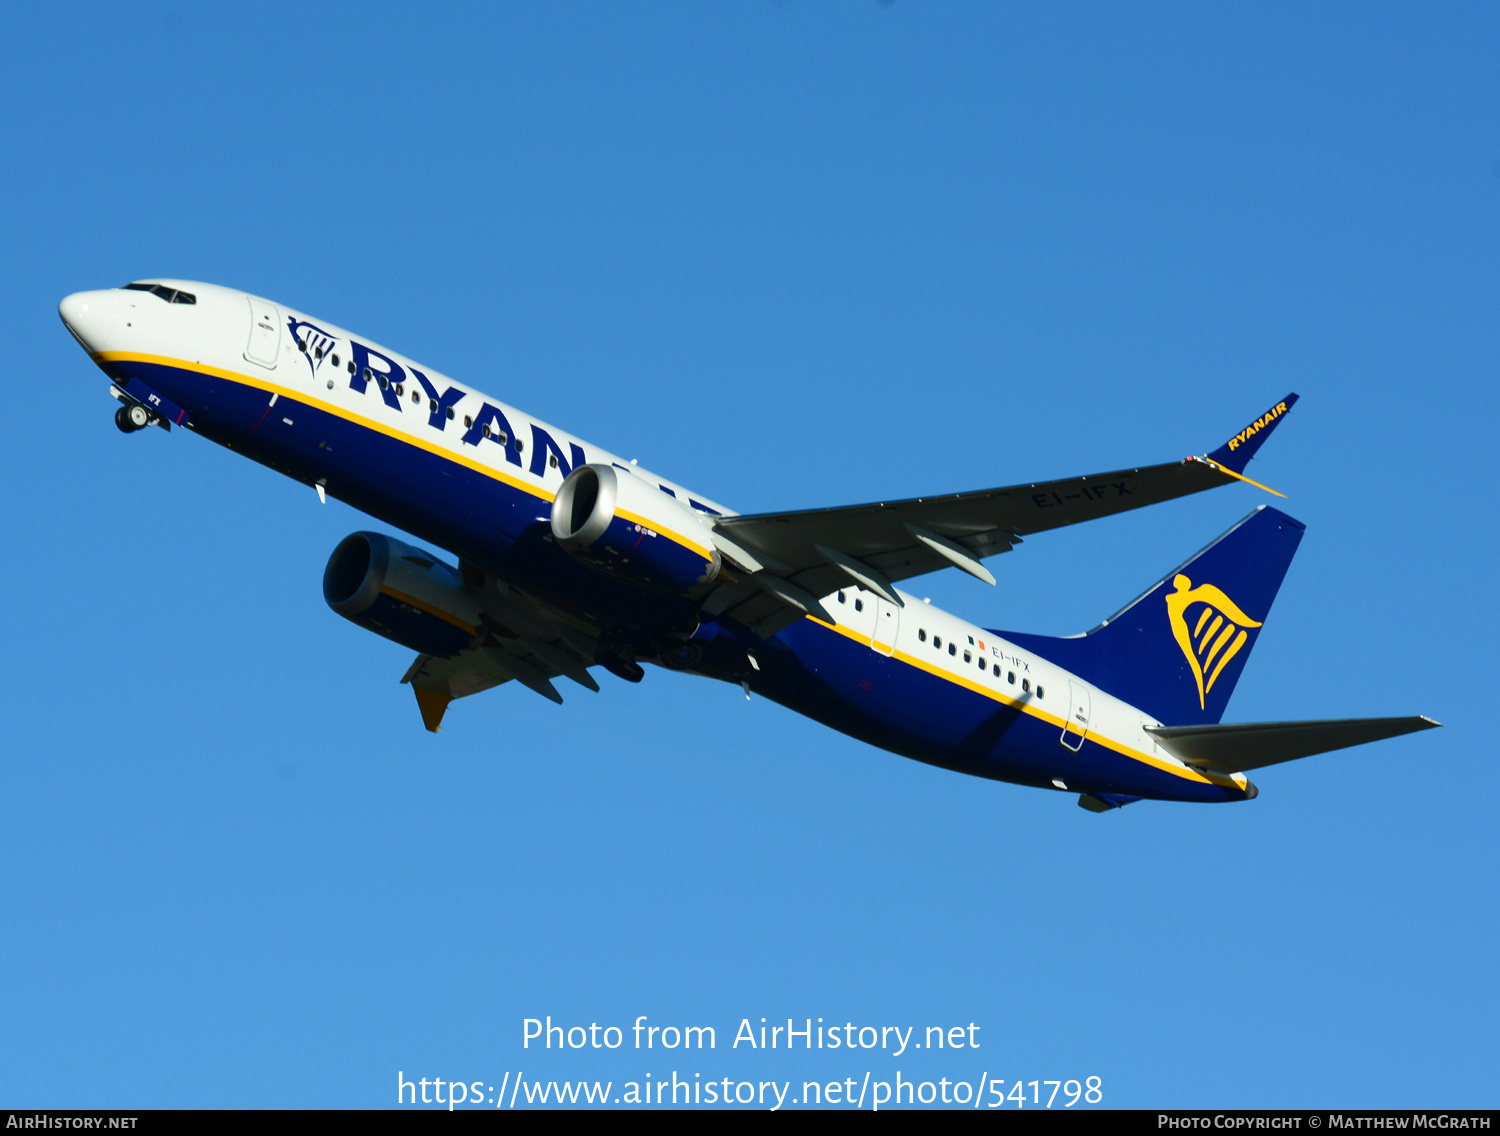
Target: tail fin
<point x="1177" y="651"/>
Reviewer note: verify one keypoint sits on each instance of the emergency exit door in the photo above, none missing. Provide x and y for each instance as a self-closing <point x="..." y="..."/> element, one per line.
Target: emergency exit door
<point x="1076" y="728"/>
<point x="887" y="623"/>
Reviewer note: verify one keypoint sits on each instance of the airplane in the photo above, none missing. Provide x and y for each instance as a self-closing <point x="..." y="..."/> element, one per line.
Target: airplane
<point x="569" y="558"/>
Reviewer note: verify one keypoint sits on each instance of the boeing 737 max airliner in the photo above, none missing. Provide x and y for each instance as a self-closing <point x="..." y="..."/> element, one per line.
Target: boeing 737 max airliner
<point x="570" y="558"/>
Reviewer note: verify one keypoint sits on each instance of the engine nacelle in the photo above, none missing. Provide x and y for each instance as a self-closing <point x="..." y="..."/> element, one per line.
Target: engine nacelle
<point x="403" y="593"/>
<point x="630" y="528"/>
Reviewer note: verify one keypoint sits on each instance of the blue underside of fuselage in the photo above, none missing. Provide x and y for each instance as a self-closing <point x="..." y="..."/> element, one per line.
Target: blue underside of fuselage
<point x="808" y="668"/>
<point x="891" y="704"/>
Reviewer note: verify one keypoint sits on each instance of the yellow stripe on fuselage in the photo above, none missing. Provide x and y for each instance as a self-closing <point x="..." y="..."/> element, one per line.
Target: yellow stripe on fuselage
<point x="1025" y="706"/>
<point x="1028" y="706"/>
<point x="477" y="466"/>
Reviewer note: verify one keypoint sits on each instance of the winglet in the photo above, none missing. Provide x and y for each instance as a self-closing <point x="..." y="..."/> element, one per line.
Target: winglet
<point x="1235" y="454"/>
<point x="433" y="704"/>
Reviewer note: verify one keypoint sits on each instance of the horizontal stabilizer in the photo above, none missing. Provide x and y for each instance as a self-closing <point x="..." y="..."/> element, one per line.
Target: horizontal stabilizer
<point x="1238" y="746"/>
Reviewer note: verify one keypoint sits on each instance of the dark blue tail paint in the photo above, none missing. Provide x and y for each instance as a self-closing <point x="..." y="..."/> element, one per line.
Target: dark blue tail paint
<point x="1177" y="651"/>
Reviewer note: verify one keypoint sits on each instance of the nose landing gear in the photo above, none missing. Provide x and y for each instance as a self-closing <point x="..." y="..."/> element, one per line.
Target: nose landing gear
<point x="143" y="407"/>
<point x="131" y="418"/>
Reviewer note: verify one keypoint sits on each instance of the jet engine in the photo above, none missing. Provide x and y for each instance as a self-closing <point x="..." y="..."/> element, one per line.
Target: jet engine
<point x="403" y="593"/>
<point x="628" y="527"/>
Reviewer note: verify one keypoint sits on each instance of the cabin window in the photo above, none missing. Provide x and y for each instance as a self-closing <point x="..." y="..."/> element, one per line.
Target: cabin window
<point x="333" y="359"/>
<point x="318" y="354"/>
<point x="552" y="461"/>
<point x="841" y="597"/>
<point x="400" y="390"/>
<point x="952" y="649"/>
<point x="415" y="398"/>
<point x="968" y="656"/>
<point x="937" y="641"/>
<point x="997" y="670"/>
<point x="981" y="664"/>
<point x="922" y="635"/>
<point x="502" y="437"/>
<point x="859" y="605"/>
<point x="520" y="445"/>
<point x="1010" y="677"/>
<point x="1040" y="693"/>
<point x="486" y="429"/>
<point x="432" y="407"/>
<point x="351" y="366"/>
<point x="450" y="410"/>
<point x="1025" y="684"/>
<point x="468" y="422"/>
<point x="301" y="345"/>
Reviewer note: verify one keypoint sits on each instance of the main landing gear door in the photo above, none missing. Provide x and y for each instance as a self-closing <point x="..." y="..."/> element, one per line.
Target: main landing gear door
<point x="887" y="622"/>
<point x="265" y="333"/>
<point x="1077" y="724"/>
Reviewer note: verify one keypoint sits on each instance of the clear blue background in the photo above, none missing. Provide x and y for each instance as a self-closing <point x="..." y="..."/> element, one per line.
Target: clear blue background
<point x="790" y="255"/>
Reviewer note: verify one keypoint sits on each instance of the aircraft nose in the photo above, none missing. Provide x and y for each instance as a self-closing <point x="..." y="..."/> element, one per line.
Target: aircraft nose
<point x="90" y="316"/>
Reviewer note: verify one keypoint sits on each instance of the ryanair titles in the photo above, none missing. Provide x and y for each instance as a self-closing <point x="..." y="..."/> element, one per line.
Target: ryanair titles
<point x="1258" y="425"/>
<point x="397" y="385"/>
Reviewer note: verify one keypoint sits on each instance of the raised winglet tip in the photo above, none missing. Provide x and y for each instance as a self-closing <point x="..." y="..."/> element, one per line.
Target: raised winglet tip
<point x="1236" y="453"/>
<point x="433" y="704"/>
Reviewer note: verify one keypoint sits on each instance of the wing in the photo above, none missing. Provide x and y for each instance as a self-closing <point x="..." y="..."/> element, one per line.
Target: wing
<point x="437" y="682"/>
<point x="786" y="560"/>
<point x="1236" y="747"/>
<point x="521" y="641"/>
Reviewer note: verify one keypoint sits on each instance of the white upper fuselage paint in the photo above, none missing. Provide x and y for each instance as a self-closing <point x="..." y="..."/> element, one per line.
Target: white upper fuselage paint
<point x="214" y="333"/>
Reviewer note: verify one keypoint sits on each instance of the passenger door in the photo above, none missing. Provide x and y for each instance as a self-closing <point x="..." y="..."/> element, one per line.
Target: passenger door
<point x="265" y="333"/>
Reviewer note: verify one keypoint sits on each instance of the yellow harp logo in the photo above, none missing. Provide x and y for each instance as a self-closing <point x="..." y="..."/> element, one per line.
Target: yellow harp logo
<point x="1218" y="632"/>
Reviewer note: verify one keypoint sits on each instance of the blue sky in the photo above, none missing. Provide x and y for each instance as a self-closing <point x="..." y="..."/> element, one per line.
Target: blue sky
<point x="790" y="255"/>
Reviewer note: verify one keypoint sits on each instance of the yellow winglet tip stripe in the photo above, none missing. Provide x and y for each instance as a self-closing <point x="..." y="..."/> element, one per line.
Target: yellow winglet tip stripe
<point x="1240" y="476"/>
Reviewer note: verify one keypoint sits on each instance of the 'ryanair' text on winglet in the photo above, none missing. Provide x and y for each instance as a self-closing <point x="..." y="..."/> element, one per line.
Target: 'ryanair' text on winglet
<point x="1234" y="455"/>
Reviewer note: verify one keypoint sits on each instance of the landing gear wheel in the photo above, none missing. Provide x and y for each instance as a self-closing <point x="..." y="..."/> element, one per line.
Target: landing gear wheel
<point x="123" y="422"/>
<point x="682" y="656"/>
<point x="138" y="415"/>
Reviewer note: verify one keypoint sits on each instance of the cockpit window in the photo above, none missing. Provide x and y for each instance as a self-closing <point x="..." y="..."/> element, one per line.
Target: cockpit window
<point x="170" y="295"/>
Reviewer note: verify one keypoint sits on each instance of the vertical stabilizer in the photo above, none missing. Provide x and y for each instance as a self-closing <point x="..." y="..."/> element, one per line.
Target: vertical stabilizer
<point x="1177" y="651"/>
